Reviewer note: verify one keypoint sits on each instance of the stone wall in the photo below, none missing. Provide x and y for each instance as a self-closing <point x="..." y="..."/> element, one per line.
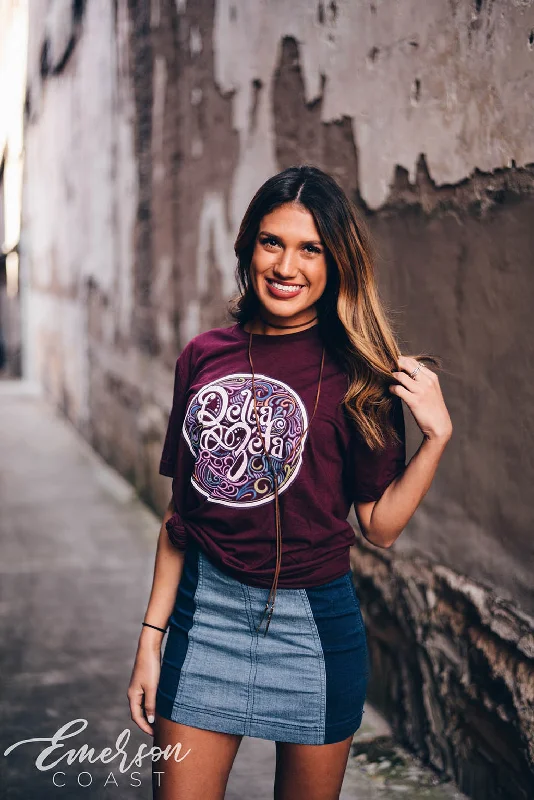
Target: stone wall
<point x="149" y="127"/>
<point x="452" y="668"/>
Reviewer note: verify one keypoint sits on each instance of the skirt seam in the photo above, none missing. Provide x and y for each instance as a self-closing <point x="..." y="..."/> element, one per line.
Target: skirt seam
<point x="252" y="672"/>
<point x="322" y="666"/>
<point x="190" y="641"/>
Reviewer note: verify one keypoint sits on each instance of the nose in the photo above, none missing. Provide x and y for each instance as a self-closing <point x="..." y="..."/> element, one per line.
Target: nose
<point x="286" y="268"/>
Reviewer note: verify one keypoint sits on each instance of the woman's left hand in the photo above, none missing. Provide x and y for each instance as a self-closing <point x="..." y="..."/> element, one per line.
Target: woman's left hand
<point x="422" y="394"/>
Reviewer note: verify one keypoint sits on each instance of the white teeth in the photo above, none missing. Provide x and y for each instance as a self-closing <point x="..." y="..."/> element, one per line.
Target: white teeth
<point x="285" y="288"/>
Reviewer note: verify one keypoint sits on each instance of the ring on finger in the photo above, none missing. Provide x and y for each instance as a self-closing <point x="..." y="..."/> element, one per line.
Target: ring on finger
<point x="416" y="370"/>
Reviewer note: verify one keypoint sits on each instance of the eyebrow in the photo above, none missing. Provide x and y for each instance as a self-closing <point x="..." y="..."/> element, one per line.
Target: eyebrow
<point x="279" y="238"/>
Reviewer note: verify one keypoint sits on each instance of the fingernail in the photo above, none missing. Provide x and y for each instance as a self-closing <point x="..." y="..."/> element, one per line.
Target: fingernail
<point x="150" y="718"/>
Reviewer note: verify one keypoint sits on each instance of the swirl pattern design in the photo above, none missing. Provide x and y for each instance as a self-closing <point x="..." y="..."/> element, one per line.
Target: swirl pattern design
<point x="221" y="430"/>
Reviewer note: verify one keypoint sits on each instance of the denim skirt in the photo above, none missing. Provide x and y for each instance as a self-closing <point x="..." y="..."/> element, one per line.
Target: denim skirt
<point x="304" y="682"/>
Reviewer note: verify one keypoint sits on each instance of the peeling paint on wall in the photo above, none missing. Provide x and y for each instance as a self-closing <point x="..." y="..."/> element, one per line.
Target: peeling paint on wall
<point x="214" y="244"/>
<point x="415" y="78"/>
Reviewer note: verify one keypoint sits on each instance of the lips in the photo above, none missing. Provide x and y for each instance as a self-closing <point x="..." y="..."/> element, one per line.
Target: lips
<point x="275" y="289"/>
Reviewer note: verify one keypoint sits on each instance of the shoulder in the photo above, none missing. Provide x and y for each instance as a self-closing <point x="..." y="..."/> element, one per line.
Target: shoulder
<point x="215" y="337"/>
<point x="207" y="342"/>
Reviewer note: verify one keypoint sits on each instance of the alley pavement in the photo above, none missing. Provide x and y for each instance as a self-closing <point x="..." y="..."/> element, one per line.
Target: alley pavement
<point x="77" y="552"/>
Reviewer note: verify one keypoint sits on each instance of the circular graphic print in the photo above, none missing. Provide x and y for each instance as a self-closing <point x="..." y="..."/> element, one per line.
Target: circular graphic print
<point x="221" y="430"/>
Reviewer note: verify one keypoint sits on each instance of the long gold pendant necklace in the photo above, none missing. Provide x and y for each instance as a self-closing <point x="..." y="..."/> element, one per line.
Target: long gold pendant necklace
<point x="272" y="592"/>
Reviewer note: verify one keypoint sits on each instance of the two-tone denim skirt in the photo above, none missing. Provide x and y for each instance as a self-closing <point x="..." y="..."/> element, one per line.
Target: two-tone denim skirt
<point x="304" y="682"/>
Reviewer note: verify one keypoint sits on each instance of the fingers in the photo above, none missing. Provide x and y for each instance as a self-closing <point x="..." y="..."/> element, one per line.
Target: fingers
<point x="402" y="392"/>
<point x="135" y="698"/>
<point x="413" y="385"/>
<point x="423" y="375"/>
<point x="408" y="363"/>
<point x="150" y="704"/>
<point x="408" y="387"/>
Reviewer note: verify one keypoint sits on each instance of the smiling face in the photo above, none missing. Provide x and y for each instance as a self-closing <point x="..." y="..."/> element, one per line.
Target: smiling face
<point x="288" y="270"/>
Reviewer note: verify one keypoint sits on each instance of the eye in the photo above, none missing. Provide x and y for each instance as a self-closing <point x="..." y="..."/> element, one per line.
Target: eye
<point x="269" y="241"/>
<point x="311" y="248"/>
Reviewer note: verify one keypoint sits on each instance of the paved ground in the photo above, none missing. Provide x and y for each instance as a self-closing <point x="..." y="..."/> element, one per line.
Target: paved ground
<point x="76" y="560"/>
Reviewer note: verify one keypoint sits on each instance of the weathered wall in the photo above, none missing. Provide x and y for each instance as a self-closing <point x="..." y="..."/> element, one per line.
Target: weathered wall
<point x="150" y="126"/>
<point x="452" y="667"/>
<point x="13" y="46"/>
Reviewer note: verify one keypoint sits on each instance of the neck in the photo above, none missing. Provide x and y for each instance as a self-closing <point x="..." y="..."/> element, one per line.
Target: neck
<point x="263" y="326"/>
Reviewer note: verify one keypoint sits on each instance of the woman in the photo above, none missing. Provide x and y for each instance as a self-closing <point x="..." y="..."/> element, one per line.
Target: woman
<point x="279" y="424"/>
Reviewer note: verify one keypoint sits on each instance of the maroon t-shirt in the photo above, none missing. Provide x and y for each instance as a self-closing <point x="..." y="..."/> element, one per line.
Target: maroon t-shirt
<point x="222" y="488"/>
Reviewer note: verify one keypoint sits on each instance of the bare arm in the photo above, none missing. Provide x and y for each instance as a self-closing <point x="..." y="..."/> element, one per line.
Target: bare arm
<point x="168" y="569"/>
<point x="382" y="521"/>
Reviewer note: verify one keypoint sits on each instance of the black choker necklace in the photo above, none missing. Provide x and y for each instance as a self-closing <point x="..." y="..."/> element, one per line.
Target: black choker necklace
<point x="272" y="325"/>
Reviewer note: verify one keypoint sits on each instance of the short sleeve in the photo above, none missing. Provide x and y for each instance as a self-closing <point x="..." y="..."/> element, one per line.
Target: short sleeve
<point x="371" y="471"/>
<point x="176" y="418"/>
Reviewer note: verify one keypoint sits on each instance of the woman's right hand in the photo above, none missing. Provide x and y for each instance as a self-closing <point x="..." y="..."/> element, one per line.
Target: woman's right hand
<point x="144" y="683"/>
<point x="143" y="686"/>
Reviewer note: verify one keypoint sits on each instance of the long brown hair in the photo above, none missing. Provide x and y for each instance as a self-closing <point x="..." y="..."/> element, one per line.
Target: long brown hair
<point x="352" y="320"/>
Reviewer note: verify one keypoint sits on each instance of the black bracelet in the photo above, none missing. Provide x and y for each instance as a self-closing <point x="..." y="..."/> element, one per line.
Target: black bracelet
<point x="148" y="625"/>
